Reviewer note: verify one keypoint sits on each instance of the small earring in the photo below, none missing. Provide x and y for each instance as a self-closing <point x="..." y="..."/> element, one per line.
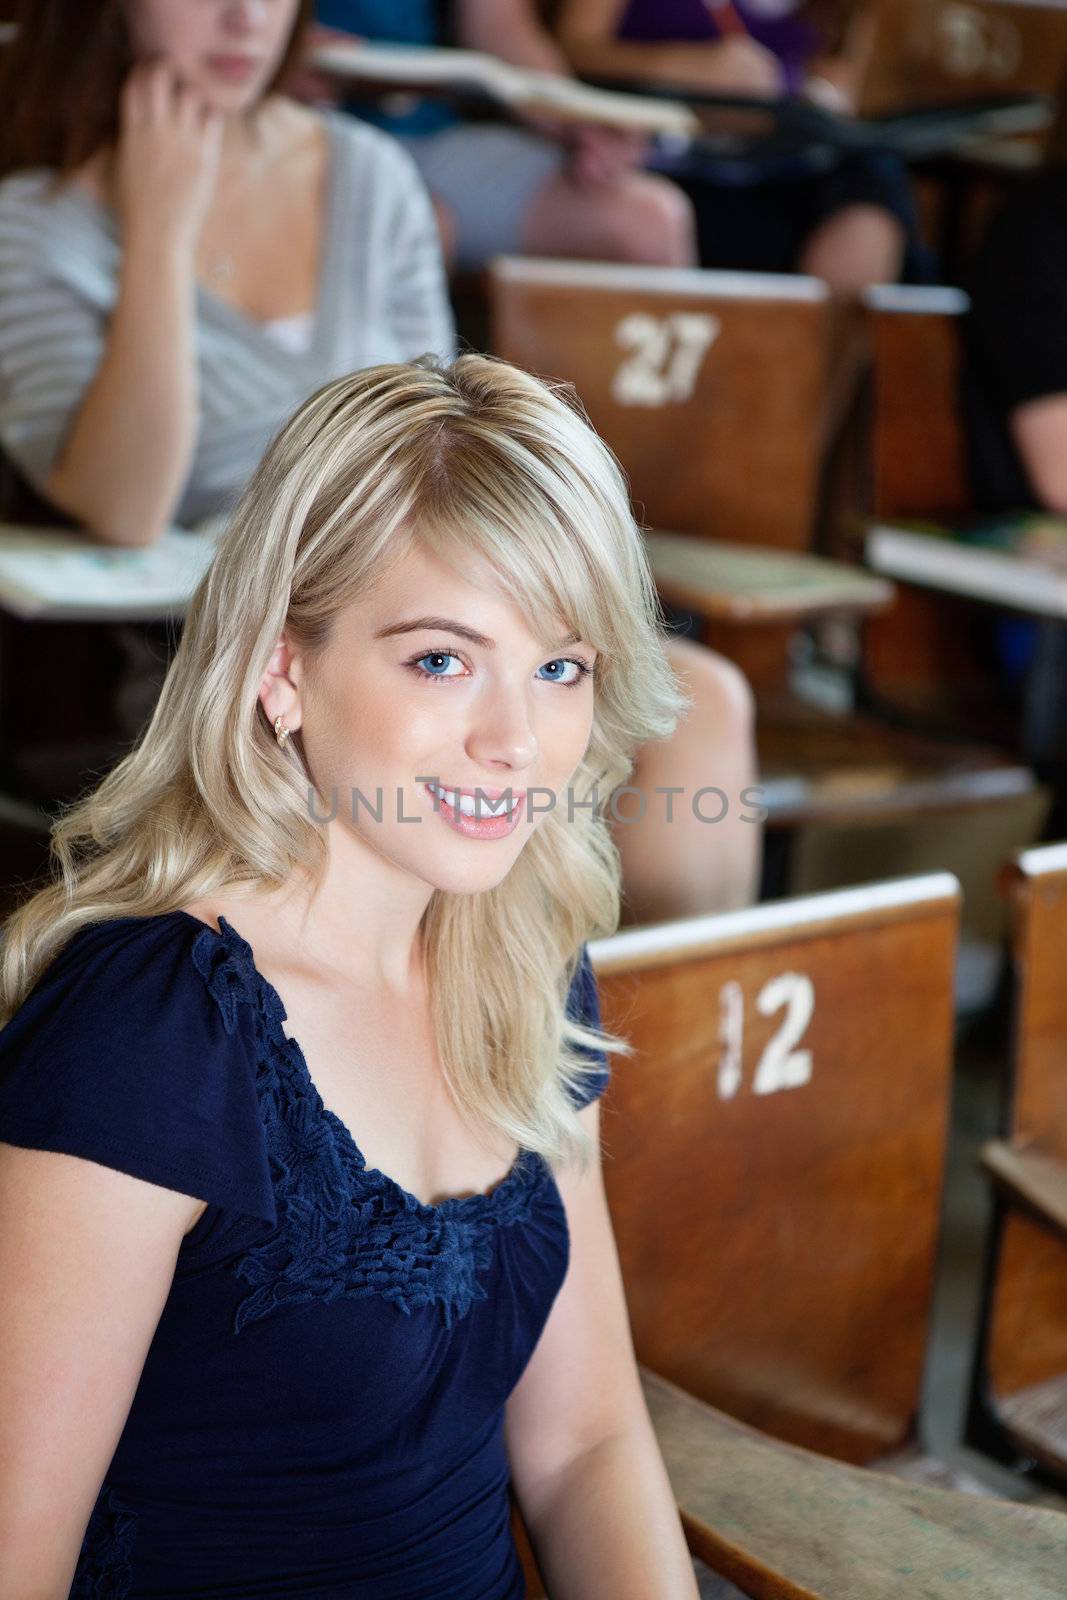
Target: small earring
<point x="281" y="732"/>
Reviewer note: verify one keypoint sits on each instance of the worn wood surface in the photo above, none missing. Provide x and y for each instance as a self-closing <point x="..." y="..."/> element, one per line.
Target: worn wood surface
<point x="744" y="584"/>
<point x="821" y="767"/>
<point x="1031" y="1179"/>
<point x="774" y="1152"/>
<point x="1037" y="1419"/>
<point x="681" y="372"/>
<point x="786" y="1524"/>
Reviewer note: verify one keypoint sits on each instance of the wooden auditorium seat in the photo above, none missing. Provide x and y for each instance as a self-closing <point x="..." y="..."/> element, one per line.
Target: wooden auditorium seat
<point x="786" y="1106"/>
<point x="713" y="389"/>
<point x="774" y="1153"/>
<point x="1019" y="1399"/>
<point x="709" y="386"/>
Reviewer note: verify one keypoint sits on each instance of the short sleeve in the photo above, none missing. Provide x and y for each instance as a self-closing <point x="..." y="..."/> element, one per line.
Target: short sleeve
<point x="583" y="1007"/>
<point x="120" y="1055"/>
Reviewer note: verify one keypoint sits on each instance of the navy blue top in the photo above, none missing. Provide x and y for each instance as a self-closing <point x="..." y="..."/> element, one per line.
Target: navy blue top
<point x="322" y="1405"/>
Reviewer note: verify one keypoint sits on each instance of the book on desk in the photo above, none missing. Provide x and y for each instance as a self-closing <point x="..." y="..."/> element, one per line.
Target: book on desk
<point x="700" y="127"/>
<point x="1017" y="562"/>
<point x="471" y="72"/>
<point x="58" y="574"/>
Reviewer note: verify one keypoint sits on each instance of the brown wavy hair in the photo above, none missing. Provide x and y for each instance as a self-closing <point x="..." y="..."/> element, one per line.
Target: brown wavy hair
<point x="61" y="77"/>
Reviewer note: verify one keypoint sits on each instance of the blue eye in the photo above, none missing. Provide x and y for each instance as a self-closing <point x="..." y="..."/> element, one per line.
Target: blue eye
<point x="438" y="660"/>
<point x="560" y="666"/>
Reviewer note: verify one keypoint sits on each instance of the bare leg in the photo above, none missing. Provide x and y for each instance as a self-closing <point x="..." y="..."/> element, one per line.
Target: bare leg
<point x="638" y="218"/>
<point x="688" y="866"/>
<point x="857" y="246"/>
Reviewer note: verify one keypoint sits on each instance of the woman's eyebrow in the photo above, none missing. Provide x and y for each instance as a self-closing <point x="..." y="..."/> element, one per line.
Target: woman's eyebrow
<point x="449" y="625"/>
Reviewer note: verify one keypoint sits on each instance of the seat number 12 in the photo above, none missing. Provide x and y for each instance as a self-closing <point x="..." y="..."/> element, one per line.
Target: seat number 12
<point x="781" y="1064"/>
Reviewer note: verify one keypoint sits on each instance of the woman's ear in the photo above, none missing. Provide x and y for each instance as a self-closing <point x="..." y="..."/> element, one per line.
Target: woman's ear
<point x="279" y="688"/>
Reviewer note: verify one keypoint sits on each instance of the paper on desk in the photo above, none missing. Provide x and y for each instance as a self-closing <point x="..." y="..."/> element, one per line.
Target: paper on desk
<point x="56" y="574"/>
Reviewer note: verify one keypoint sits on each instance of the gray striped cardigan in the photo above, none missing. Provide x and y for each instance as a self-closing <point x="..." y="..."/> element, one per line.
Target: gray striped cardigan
<point x="382" y="297"/>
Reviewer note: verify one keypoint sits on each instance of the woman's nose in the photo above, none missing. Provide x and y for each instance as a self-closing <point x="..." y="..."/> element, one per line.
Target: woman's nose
<point x="245" y="16"/>
<point x="503" y="732"/>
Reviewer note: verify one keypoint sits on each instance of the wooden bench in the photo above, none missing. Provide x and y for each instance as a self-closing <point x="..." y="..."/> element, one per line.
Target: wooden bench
<point x="1019" y="1399"/>
<point x="774" y="1153"/>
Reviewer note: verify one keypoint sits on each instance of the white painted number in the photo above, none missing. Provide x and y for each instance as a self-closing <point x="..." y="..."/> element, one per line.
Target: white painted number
<point x="731" y="1038"/>
<point x="973" y="45"/>
<point x="668" y="353"/>
<point x="781" y="1065"/>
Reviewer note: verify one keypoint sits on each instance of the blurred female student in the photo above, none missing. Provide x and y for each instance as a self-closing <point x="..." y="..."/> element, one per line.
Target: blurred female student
<point x="186" y="253"/>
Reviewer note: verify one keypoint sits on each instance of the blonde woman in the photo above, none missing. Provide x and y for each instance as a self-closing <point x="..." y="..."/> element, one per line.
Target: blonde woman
<point x="185" y="255"/>
<point x="301" y="1215"/>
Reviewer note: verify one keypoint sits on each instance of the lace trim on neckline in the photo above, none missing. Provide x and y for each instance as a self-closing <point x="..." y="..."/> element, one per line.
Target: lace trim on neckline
<point x="236" y="978"/>
<point x="344" y="1227"/>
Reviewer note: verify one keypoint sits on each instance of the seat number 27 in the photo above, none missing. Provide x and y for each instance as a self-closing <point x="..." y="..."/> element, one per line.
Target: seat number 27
<point x="667" y="355"/>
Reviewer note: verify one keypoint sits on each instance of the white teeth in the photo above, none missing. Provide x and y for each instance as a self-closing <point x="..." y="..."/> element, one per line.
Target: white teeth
<point x="482" y="807"/>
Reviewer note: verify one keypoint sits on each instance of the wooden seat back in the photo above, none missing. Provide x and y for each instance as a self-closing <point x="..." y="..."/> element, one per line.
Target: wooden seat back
<point x="924" y="654"/>
<point x="919" y="462"/>
<point x="709" y="386"/>
<point x="1025" y="1342"/>
<point x="774" y="1153"/>
<point x="933" y="52"/>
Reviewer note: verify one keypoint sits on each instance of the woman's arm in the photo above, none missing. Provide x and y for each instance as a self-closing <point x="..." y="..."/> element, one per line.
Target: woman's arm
<point x="1039" y="429"/>
<point x="122" y="466"/>
<point x="87" y="1256"/>
<point x="586" y="30"/>
<point x="512" y="30"/>
<point x="586" y="1468"/>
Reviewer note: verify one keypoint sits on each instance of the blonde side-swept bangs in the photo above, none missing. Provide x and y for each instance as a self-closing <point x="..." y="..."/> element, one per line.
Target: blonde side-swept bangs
<point x="476" y="458"/>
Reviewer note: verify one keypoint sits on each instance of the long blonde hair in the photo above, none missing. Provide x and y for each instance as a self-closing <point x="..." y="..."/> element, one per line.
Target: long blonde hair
<point x="476" y="455"/>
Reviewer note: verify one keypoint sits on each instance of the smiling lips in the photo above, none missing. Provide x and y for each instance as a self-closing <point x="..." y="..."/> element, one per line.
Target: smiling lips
<point x="237" y="67"/>
<point x="478" y="813"/>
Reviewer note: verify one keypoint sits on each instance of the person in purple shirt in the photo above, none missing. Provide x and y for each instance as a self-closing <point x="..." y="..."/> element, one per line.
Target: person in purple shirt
<point x="850" y="222"/>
